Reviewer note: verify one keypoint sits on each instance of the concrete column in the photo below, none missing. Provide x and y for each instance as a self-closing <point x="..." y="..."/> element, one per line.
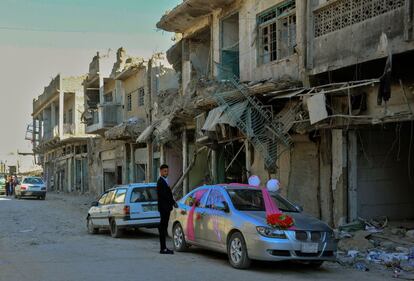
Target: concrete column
<point x="248" y="157"/>
<point x="150" y="156"/>
<point x="61" y="112"/>
<point x="132" y="164"/>
<point x="339" y="177"/>
<point x="301" y="38"/>
<point x="43" y="122"/>
<point x="101" y="99"/>
<point x="352" y="176"/>
<point x="214" y="176"/>
<point x="185" y="160"/>
<point x="69" y="175"/>
<point x="163" y="159"/>
<point x="186" y="65"/>
<point x="53" y="115"/>
<point x="125" y="165"/>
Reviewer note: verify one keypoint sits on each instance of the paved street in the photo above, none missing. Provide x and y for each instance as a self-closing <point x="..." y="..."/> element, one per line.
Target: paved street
<point x="47" y="240"/>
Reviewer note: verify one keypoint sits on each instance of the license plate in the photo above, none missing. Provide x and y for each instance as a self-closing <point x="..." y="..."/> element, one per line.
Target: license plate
<point x="310" y="248"/>
<point x="150" y="208"/>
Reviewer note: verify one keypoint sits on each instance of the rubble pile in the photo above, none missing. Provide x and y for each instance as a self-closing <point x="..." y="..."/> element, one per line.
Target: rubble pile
<point x="378" y="244"/>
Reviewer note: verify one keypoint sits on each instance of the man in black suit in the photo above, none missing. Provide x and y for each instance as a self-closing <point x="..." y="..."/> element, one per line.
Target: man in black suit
<point x="166" y="203"/>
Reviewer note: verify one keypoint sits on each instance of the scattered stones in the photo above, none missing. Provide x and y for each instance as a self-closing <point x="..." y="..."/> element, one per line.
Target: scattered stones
<point x="357" y="242"/>
<point x="410" y="234"/>
<point x="399" y="231"/>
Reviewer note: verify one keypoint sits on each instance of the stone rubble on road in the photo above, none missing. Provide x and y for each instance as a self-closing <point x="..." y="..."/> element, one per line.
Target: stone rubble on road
<point x="380" y="245"/>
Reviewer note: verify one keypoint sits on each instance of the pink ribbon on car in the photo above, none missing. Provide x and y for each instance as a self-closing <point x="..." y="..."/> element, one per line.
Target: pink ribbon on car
<point x="190" y="220"/>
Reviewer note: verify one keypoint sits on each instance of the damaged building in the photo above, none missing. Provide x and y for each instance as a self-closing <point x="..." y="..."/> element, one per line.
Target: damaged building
<point x="315" y="93"/>
<point x="118" y="109"/>
<point x="59" y="138"/>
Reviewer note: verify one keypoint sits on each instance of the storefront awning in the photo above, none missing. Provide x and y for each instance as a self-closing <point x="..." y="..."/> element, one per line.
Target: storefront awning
<point x="225" y="115"/>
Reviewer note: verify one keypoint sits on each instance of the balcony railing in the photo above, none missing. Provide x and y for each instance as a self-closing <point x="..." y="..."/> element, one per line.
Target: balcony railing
<point x="106" y="116"/>
<point x="111" y="114"/>
<point x="339" y="14"/>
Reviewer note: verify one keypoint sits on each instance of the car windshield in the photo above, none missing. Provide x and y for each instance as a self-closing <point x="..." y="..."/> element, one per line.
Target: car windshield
<point x="252" y="200"/>
<point x="33" y="181"/>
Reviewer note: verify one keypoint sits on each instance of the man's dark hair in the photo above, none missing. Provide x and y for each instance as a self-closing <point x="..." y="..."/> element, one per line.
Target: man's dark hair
<point x="164" y="166"/>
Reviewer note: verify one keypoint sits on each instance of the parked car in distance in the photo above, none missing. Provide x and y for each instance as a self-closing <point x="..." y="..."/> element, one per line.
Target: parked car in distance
<point x="125" y="207"/>
<point x="31" y="187"/>
<point x="232" y="219"/>
<point x="2" y="184"/>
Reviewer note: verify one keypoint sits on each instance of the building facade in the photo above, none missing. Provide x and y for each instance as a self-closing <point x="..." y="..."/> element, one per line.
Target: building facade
<point x="122" y="108"/>
<point x="60" y="143"/>
<point x="315" y="93"/>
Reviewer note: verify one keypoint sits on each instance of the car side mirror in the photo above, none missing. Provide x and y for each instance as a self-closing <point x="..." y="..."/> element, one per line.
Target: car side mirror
<point x="95" y="204"/>
<point x="299" y="208"/>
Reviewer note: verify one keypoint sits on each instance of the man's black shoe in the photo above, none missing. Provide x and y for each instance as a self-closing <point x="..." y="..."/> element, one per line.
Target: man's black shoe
<point x="166" y="252"/>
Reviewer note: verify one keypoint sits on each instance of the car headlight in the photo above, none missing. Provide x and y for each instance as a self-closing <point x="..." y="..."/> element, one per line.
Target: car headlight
<point x="271" y="232"/>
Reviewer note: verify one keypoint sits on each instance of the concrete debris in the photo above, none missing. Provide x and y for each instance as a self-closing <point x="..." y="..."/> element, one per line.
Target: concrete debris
<point x="378" y="244"/>
<point x="402" y="275"/>
<point x="410" y="234"/>
<point x="361" y="266"/>
<point x="357" y="242"/>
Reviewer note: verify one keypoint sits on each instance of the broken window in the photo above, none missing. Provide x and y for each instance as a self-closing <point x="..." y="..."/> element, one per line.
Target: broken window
<point x="277" y="32"/>
<point x="229" y="48"/>
<point x="141" y="96"/>
<point x="129" y="102"/>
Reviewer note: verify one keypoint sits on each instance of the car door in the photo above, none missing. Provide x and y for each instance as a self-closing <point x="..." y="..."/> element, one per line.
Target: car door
<point x="216" y="220"/>
<point x="96" y="212"/>
<point x="107" y="208"/>
<point x="200" y="224"/>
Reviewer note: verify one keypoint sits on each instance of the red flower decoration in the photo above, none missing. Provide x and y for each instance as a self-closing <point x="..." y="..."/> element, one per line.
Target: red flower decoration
<point x="281" y="221"/>
<point x="199" y="216"/>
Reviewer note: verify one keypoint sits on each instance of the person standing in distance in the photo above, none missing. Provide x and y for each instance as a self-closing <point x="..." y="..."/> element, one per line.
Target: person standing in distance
<point x="166" y="203"/>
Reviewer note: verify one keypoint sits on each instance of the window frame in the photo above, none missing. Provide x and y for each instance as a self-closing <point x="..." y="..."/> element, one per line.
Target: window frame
<point x="141" y="97"/>
<point x="129" y="102"/>
<point x="273" y="23"/>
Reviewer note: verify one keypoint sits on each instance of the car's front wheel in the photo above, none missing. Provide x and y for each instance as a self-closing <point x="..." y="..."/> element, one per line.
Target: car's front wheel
<point x="180" y="245"/>
<point x="116" y="232"/>
<point x="237" y="251"/>
<point x="91" y="228"/>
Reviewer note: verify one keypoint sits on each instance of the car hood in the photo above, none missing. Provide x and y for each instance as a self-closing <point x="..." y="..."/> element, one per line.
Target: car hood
<point x="302" y="220"/>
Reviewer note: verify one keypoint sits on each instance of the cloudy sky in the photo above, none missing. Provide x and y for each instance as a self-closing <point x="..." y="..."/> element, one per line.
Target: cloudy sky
<point x="40" y="38"/>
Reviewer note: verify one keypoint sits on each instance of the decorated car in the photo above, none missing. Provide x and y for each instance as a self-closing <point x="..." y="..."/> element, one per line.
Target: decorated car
<point x="250" y="223"/>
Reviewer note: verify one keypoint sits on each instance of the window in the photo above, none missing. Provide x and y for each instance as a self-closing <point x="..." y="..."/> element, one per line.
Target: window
<point x="108" y="97"/>
<point x="277" y="32"/>
<point x="129" y="102"/>
<point x="252" y="200"/>
<point x="199" y="197"/>
<point x="141" y="96"/>
<point x="33" y="181"/>
<point x="102" y="199"/>
<point x="140" y="195"/>
<point x="120" y="196"/>
<point x="110" y="197"/>
<point x="215" y="200"/>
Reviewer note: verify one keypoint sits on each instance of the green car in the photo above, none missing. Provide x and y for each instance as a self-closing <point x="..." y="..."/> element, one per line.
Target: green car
<point x="2" y="184"/>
